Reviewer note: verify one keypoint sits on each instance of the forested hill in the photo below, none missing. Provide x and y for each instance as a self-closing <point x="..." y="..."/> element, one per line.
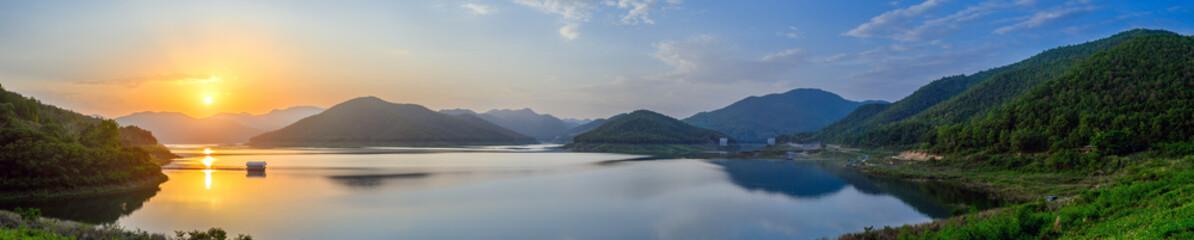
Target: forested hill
<point x="47" y="149"/>
<point x="372" y="121"/>
<point x="647" y="127"/>
<point x="1133" y="96"/>
<point x="758" y="118"/>
<point x="959" y="99"/>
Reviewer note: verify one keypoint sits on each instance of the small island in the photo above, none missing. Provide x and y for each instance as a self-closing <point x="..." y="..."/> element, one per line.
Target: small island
<point x="647" y="132"/>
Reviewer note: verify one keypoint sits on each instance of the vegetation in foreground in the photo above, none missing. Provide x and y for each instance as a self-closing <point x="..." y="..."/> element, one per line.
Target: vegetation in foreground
<point x="28" y="224"/>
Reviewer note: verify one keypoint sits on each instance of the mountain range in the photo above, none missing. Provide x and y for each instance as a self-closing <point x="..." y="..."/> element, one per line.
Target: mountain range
<point x="179" y="128"/>
<point x="372" y="121"/>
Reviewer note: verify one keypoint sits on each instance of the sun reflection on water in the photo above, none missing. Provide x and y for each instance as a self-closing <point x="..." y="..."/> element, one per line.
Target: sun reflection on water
<point x="207" y="161"/>
<point x="207" y="177"/>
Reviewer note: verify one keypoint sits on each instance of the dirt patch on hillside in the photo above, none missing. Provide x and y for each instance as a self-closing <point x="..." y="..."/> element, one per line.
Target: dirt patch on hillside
<point x="916" y="155"/>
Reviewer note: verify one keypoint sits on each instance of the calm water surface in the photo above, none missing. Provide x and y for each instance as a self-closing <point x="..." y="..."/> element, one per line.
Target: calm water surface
<point x="524" y="192"/>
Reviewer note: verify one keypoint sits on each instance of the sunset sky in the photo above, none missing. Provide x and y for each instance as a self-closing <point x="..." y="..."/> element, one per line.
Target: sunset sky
<point x="569" y="58"/>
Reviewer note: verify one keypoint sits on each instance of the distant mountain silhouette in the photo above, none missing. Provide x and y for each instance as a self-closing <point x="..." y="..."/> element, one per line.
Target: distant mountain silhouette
<point x="543" y="127"/>
<point x="173" y="127"/>
<point x="576" y="121"/>
<point x="647" y="127"/>
<point x="273" y="120"/>
<point x="758" y="118"/>
<point x="369" y="121"/>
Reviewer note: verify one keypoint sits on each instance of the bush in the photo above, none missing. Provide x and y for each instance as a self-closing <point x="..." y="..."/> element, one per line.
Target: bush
<point x="210" y="234"/>
<point x="29" y="214"/>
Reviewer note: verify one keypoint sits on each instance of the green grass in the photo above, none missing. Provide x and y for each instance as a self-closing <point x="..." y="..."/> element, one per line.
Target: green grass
<point x="1153" y="199"/>
<point x="28" y="224"/>
<point x="29" y="234"/>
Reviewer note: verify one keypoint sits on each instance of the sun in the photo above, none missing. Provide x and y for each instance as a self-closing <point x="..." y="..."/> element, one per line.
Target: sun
<point x="207" y="100"/>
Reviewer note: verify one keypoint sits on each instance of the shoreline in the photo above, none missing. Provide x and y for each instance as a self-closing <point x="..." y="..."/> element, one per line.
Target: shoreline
<point x="142" y="184"/>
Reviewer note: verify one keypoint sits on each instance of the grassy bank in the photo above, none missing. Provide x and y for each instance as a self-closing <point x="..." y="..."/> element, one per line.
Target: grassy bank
<point x="28" y="224"/>
<point x="1142" y="196"/>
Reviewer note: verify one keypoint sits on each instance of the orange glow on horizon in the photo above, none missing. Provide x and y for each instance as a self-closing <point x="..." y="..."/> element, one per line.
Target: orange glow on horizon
<point x="207" y="151"/>
<point x="214" y="70"/>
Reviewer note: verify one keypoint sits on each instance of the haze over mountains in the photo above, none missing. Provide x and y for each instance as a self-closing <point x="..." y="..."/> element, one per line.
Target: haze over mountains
<point x="178" y="128"/>
<point x="371" y="121"/>
<point x="754" y="119"/>
<point x="543" y="127"/>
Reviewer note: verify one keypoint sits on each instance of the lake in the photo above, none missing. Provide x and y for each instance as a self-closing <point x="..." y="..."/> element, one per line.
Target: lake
<point x="511" y="192"/>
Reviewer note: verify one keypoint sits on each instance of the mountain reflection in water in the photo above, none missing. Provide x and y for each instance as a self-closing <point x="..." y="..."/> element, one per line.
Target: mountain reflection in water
<point x="815" y="179"/>
<point x="486" y="194"/>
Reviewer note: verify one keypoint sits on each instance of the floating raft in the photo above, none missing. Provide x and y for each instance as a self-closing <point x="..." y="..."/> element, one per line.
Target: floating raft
<point x="255" y="166"/>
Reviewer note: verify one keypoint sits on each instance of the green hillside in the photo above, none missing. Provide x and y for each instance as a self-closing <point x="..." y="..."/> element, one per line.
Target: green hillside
<point x="371" y="121"/>
<point x="1111" y="137"/>
<point x="1133" y="96"/>
<point x="758" y="118"/>
<point x="53" y="151"/>
<point x="958" y="99"/>
<point x="646" y="132"/>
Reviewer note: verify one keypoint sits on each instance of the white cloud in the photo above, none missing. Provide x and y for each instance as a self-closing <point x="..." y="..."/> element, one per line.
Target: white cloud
<point x="570" y="10"/>
<point x="1045" y="17"/>
<point x="574" y="12"/>
<point x="479" y="9"/>
<point x="570" y="31"/>
<point x="639" y="10"/>
<point x="936" y="28"/>
<point x="907" y="25"/>
<point x="133" y="82"/>
<point x="893" y="21"/>
<point x="792" y="32"/>
<point x="711" y="60"/>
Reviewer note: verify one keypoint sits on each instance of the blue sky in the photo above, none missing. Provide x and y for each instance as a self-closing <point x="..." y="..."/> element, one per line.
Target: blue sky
<point x="570" y="58"/>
